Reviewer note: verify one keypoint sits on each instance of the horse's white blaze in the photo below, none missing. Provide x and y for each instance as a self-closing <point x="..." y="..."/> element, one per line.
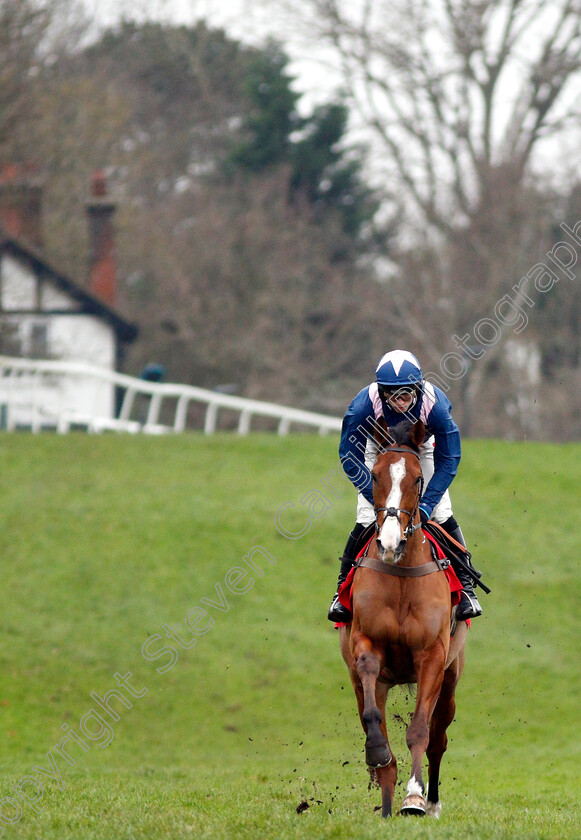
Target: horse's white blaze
<point x="390" y="534"/>
<point x="414" y="788"/>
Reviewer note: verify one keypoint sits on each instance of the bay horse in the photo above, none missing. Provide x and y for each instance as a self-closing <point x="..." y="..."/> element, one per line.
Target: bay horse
<point x="400" y="632"/>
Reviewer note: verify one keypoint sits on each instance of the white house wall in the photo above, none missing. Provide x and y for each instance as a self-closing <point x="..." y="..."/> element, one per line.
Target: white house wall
<point x="18" y="286"/>
<point x="69" y="336"/>
<point x="85" y="338"/>
<point x="82" y="338"/>
<point x="52" y="298"/>
<point x="41" y="400"/>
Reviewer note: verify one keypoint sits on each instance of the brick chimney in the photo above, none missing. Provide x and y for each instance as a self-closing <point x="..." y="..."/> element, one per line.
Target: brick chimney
<point x="100" y="210"/>
<point x="20" y="203"/>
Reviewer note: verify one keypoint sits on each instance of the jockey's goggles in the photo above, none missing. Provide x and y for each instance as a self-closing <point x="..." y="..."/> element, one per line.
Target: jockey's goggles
<point x="402" y="398"/>
<point x="404" y="392"/>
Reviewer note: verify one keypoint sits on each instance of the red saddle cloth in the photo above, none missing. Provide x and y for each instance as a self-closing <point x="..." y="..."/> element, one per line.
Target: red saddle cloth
<point x="345" y="588"/>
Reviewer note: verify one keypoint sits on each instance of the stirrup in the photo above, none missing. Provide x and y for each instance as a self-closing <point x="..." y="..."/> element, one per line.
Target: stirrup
<point x="337" y="612"/>
<point x="468" y="606"/>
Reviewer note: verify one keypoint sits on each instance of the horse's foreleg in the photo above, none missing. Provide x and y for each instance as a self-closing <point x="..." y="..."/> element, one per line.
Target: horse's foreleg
<point x="386" y="776"/>
<point x="441" y="720"/>
<point x="365" y="669"/>
<point x="430" y="673"/>
<point x="371" y="699"/>
<point x="377" y="752"/>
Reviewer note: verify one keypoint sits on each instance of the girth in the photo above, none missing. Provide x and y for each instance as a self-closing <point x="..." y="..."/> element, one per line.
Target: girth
<point x="402" y="571"/>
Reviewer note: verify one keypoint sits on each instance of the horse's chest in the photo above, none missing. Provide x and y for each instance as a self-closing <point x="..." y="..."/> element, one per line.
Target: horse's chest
<point x="401" y="635"/>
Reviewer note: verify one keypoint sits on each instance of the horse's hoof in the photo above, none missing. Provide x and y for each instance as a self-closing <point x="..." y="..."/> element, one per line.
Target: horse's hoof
<point x="414" y="805"/>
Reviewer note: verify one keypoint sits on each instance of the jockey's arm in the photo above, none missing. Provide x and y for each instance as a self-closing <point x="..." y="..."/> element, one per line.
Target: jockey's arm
<point x="447" y="454"/>
<point x="355" y="432"/>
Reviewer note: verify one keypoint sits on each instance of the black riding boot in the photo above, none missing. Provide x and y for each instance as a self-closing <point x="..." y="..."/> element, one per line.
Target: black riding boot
<point x="469" y="606"/>
<point x="357" y="539"/>
<point x="337" y="612"/>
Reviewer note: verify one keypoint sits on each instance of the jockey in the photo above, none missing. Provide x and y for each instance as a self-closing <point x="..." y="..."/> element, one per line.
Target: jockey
<point x="400" y="389"/>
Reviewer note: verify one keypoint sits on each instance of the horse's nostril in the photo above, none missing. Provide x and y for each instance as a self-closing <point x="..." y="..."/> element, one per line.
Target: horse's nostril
<point x="400" y="549"/>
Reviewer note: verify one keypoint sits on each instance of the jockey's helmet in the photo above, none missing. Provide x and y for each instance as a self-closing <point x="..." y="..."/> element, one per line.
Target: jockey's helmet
<point x="397" y="370"/>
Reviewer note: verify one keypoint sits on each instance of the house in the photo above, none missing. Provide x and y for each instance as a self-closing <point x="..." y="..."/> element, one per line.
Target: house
<point x="45" y="314"/>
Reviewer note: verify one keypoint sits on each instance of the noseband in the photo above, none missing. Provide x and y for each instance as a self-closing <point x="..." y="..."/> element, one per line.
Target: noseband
<point x="395" y="512"/>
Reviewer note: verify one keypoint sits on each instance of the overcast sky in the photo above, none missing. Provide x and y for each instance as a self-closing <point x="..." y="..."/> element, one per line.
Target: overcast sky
<point x="241" y="16"/>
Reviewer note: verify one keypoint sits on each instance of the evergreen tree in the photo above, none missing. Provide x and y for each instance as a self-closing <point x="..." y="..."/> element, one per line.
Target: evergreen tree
<point x="330" y="178"/>
<point x="272" y="115"/>
<point x="322" y="168"/>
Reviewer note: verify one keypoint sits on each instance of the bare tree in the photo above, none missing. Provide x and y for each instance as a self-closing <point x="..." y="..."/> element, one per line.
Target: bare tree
<point x="467" y="100"/>
<point x="32" y="32"/>
<point x="460" y="93"/>
<point x="239" y="290"/>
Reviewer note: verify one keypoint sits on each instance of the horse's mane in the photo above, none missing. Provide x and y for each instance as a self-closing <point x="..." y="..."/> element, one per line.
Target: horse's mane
<point x="401" y="435"/>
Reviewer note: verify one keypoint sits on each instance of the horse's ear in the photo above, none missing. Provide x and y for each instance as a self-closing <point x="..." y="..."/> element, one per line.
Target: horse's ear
<point x="381" y="433"/>
<point x="417" y="433"/>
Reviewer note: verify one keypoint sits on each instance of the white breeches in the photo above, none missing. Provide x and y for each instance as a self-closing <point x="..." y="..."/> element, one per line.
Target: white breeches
<point x="442" y="511"/>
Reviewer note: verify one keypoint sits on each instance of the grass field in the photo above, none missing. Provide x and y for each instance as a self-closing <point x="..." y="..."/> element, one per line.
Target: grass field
<point x="107" y="539"/>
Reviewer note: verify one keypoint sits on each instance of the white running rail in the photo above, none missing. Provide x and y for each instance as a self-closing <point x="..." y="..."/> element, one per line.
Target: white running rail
<point x="41" y="394"/>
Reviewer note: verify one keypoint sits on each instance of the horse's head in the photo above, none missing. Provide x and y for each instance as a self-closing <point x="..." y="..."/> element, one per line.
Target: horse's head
<point x="397" y="487"/>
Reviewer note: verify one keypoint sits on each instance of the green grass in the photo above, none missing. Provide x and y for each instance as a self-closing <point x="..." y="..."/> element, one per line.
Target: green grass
<point x="106" y="539"/>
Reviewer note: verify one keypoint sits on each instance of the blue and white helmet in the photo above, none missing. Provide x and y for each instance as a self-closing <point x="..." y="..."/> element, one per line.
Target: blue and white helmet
<point x="399" y="369"/>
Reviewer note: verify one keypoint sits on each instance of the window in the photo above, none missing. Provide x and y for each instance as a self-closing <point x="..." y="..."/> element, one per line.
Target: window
<point x="38" y="344"/>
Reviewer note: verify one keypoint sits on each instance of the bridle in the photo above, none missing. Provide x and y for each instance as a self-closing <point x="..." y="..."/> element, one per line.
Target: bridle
<point x="410" y="529"/>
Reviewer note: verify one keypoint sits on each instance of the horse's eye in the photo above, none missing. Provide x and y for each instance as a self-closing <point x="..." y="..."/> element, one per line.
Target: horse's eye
<point x="373" y="477"/>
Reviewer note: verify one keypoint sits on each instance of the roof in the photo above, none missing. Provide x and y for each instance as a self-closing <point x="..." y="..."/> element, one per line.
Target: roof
<point x="89" y="303"/>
